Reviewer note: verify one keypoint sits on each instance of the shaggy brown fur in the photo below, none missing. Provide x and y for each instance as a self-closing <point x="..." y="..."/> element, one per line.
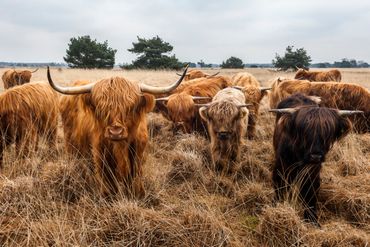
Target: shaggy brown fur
<point x="301" y="141"/>
<point x="245" y="79"/>
<point x="110" y="125"/>
<point x="12" y="77"/>
<point x="180" y="107"/>
<point x="227" y="120"/>
<point x="27" y="112"/>
<point x="348" y="96"/>
<point x="331" y="75"/>
<point x="253" y="95"/>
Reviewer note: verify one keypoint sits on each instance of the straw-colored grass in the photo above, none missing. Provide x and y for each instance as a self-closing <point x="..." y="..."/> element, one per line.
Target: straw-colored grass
<point x="50" y="199"/>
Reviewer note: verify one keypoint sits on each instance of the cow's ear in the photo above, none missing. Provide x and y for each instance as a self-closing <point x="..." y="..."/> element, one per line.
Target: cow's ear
<point x="203" y="112"/>
<point x="243" y="112"/>
<point x="87" y="101"/>
<point x="344" y="126"/>
<point x="160" y="106"/>
<point x="147" y="102"/>
<point x="16" y="76"/>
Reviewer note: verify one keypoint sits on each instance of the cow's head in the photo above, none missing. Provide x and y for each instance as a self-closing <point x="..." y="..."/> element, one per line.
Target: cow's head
<point x="180" y="108"/>
<point x="253" y="93"/>
<point x="116" y="103"/>
<point x="301" y="74"/>
<point x="313" y="130"/>
<point x="23" y="76"/>
<point x="224" y="118"/>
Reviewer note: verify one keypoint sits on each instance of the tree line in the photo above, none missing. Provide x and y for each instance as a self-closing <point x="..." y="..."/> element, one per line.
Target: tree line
<point x="155" y="53"/>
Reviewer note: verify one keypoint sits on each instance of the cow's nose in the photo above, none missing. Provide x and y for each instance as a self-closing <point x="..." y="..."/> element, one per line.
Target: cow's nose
<point x="316" y="158"/>
<point x="115" y="130"/>
<point x="223" y="135"/>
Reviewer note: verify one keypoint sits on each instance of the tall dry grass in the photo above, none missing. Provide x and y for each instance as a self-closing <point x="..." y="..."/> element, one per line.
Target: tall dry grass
<point x="50" y="198"/>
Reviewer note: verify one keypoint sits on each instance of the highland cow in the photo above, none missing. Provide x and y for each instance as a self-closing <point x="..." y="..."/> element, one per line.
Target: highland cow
<point x="303" y="136"/>
<point x="253" y="93"/>
<point x="348" y="96"/>
<point x="27" y="112"/>
<point x="227" y="119"/>
<point x="180" y="107"/>
<point x="107" y="120"/>
<point x="194" y="74"/>
<point x="331" y="75"/>
<point x="12" y="77"/>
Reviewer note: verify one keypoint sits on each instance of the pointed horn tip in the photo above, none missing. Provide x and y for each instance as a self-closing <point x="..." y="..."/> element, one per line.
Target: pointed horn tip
<point x="162" y="99"/>
<point x="265" y="88"/>
<point x="349" y="112"/>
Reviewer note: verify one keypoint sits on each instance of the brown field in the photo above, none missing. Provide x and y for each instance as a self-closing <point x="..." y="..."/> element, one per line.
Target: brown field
<point x="47" y="199"/>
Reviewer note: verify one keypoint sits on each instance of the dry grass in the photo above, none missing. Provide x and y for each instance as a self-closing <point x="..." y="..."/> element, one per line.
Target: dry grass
<point x="50" y="199"/>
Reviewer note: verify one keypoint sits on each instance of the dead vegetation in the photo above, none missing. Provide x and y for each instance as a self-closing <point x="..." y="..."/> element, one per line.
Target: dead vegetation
<point x="50" y="199"/>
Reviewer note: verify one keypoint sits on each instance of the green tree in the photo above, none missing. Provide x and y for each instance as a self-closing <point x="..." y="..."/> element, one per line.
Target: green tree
<point x="152" y="54"/>
<point x="83" y="52"/>
<point x="292" y="59"/>
<point x="233" y="62"/>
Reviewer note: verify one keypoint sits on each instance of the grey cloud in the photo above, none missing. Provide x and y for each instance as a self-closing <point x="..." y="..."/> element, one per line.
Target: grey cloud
<point x="254" y="30"/>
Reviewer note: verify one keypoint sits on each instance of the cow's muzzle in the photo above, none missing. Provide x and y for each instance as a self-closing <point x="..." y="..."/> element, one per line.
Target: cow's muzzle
<point x="224" y="135"/>
<point x="116" y="133"/>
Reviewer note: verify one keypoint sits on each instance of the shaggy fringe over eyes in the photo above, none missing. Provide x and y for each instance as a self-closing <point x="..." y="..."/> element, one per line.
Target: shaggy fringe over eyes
<point x="114" y="97"/>
<point x="320" y="123"/>
<point x="223" y="110"/>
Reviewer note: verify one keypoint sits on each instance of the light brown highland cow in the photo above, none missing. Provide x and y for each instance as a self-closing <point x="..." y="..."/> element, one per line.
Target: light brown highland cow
<point x="253" y="93"/>
<point x="227" y="120"/>
<point x="12" y="77"/>
<point x="28" y="112"/>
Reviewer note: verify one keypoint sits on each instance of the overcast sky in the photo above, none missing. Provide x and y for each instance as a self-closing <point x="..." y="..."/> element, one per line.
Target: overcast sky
<point x="212" y="30"/>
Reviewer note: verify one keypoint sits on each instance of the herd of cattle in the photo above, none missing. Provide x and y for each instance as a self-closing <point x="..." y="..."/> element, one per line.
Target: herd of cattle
<point x="106" y="122"/>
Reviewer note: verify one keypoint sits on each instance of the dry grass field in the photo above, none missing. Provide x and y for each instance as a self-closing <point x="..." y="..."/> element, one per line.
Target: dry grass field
<point x="47" y="199"/>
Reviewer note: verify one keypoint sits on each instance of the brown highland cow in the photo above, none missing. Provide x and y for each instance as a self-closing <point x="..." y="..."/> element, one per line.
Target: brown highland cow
<point x="107" y="120"/>
<point x="253" y="93"/>
<point x="347" y="96"/>
<point x="304" y="133"/>
<point x="180" y="107"/>
<point x="194" y="74"/>
<point x="331" y="75"/>
<point x="12" y="77"/>
<point x="28" y="112"/>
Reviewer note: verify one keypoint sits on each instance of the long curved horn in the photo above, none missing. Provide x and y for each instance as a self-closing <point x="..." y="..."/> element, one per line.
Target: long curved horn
<point x="348" y="113"/>
<point x="213" y="74"/>
<point x="265" y="89"/>
<point x="181" y="74"/>
<point x="284" y="110"/>
<point x="35" y="70"/>
<point x="69" y="90"/>
<point x="200" y="97"/>
<point x="162" y="99"/>
<point x="158" y="90"/>
<point x="296" y="67"/>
